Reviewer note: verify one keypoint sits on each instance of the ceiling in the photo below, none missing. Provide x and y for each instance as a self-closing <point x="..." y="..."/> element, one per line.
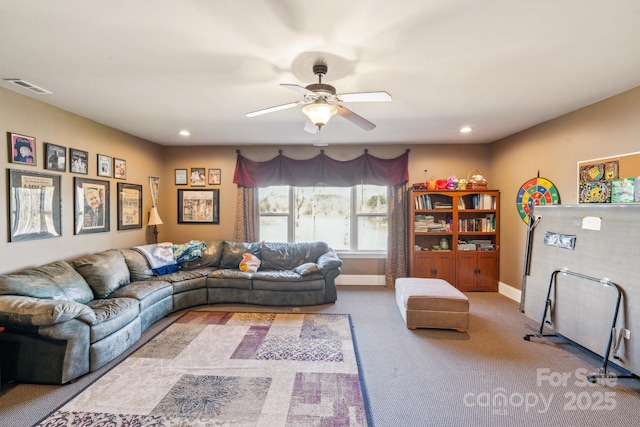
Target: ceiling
<point x="153" y="67"/>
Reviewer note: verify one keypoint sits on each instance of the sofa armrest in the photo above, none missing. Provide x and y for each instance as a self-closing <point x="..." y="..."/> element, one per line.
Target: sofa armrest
<point x="28" y="311"/>
<point x="329" y="261"/>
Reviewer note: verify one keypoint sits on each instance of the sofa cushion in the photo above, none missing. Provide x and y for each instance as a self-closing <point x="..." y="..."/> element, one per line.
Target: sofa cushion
<point x="105" y="272"/>
<point x="287" y="280"/>
<point x="211" y="256"/>
<point x="139" y="268"/>
<point x="56" y="280"/>
<point x="233" y="252"/>
<point x="307" y="268"/>
<point x="287" y="256"/>
<point x="147" y="292"/>
<point x="111" y="315"/>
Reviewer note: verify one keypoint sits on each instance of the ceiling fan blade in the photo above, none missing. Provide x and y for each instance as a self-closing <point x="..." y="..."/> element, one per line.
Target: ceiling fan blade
<point x="310" y="127"/>
<point x="297" y="88"/>
<point x="364" y="97"/>
<point x="272" y="109"/>
<point x="355" y="118"/>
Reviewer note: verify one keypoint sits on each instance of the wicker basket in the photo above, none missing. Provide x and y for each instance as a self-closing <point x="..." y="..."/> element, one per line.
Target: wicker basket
<point x="475" y="180"/>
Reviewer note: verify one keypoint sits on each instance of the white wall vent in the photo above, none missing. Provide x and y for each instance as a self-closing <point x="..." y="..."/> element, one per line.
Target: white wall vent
<point x="29" y="86"/>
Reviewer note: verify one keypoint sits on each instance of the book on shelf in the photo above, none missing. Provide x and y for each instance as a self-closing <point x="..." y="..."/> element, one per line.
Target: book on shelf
<point x="427" y="223"/>
<point x="483" y="201"/>
<point x="442" y="205"/>
<point x="486" y="224"/>
<point x="422" y="201"/>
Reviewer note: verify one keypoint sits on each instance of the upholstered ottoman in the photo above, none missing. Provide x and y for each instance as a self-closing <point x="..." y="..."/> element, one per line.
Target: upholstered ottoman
<point x="432" y="303"/>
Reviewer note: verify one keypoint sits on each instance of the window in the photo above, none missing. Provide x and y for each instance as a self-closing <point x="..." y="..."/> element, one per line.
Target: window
<point x="347" y="218"/>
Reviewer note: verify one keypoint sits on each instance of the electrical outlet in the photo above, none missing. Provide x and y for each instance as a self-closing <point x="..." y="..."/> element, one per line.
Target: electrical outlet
<point x="626" y="333"/>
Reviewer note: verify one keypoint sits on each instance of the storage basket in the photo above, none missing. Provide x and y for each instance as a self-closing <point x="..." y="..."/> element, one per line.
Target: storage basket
<point x="475" y="180"/>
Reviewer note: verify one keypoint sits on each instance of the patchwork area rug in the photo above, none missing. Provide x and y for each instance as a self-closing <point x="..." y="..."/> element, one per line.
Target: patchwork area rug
<point x="231" y="369"/>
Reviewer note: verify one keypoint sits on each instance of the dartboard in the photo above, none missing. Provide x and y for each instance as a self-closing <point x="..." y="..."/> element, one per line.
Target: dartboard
<point x="535" y="192"/>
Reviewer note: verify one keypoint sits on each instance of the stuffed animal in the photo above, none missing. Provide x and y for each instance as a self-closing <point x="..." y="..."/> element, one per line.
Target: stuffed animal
<point x="452" y="183"/>
<point x="250" y="263"/>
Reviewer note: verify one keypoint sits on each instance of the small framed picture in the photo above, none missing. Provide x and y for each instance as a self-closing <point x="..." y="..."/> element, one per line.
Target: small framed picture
<point x="91" y="206"/>
<point x="198" y="178"/>
<point x="104" y="166"/>
<point x="181" y="177"/>
<point x="78" y="161"/>
<point x="55" y="157"/>
<point x="22" y="149"/>
<point x="214" y="176"/>
<point x="119" y="169"/>
<point x="129" y="206"/>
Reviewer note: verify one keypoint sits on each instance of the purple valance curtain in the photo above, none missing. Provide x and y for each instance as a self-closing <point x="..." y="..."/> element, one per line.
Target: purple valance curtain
<point x="322" y="170"/>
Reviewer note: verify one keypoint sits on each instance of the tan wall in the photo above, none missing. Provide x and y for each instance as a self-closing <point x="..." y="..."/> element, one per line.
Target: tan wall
<point x="608" y="128"/>
<point x="440" y="161"/>
<point x="21" y="114"/>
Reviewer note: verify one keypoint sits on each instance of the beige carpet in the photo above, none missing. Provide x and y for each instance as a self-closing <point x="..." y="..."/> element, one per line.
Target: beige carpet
<point x="224" y="368"/>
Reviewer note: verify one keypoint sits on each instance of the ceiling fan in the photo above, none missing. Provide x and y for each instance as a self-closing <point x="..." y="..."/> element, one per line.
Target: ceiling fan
<point x="321" y="102"/>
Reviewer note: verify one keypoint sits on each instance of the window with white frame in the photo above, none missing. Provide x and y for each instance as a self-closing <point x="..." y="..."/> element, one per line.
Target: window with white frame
<point x="347" y="218"/>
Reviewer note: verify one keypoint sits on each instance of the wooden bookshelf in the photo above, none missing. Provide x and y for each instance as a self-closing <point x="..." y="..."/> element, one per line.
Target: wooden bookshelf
<point x="467" y="224"/>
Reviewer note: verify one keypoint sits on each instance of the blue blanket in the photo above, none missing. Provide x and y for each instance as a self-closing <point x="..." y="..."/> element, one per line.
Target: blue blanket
<point x="160" y="257"/>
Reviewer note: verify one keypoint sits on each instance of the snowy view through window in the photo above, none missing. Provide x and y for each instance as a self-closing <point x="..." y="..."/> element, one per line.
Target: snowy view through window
<point x="346" y="218"/>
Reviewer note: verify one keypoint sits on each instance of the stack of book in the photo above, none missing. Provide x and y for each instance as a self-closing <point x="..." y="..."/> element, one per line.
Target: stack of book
<point x="484" y="245"/>
<point x="427" y="223"/>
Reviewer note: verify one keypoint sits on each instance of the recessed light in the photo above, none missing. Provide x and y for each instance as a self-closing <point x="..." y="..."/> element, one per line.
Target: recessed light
<point x="184" y="132"/>
<point x="465" y="129"/>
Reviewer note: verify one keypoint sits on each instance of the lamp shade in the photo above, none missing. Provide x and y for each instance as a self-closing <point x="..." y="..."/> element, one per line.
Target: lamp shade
<point x="154" y="218"/>
<point x="319" y="112"/>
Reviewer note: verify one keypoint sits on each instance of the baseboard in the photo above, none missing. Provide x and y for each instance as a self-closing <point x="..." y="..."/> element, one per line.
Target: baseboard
<point x="360" y="279"/>
<point x="509" y="291"/>
<point x="379" y="280"/>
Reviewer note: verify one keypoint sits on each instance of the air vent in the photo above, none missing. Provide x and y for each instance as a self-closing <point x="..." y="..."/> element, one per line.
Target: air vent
<point x="29" y="86"/>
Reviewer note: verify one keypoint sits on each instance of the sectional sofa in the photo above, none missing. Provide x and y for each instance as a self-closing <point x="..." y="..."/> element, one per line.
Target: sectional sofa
<point x="67" y="318"/>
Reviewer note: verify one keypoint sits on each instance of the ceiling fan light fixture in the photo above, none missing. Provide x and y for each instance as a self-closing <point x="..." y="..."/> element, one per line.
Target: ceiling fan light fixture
<point x="319" y="112"/>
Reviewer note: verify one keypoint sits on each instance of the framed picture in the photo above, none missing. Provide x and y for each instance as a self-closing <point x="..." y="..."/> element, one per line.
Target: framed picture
<point x="198" y="206"/>
<point x="214" y="176"/>
<point x="198" y="178"/>
<point x="181" y="177"/>
<point x="22" y="149"/>
<point x="129" y="206"/>
<point x="154" y="186"/>
<point x="55" y="157"/>
<point x="119" y="169"/>
<point x="104" y="166"/>
<point x="35" y="205"/>
<point x="78" y="161"/>
<point x="91" y="205"/>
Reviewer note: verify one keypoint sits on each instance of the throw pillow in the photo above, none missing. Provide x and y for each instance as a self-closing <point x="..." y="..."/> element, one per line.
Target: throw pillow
<point x="307" y="268"/>
<point x="250" y="263"/>
<point x="232" y="254"/>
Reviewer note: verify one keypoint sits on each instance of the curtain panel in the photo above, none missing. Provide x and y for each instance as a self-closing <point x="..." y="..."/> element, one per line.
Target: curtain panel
<point x="322" y="170"/>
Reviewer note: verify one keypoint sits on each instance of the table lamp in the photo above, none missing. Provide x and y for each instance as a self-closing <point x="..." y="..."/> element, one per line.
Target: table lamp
<point x="154" y="219"/>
